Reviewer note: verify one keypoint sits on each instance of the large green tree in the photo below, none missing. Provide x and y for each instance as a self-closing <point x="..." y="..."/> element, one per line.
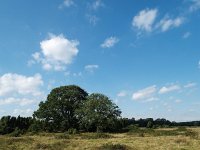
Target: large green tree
<point x="98" y="113"/>
<point x="58" y="111"/>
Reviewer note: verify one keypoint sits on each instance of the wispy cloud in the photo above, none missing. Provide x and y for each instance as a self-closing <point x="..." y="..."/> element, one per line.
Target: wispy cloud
<point x="168" y="23"/>
<point x="110" y="42"/>
<point x="186" y="35"/>
<point x="93" y="19"/>
<point x="195" y="5"/>
<point x="199" y="64"/>
<point x="168" y="89"/>
<point x="178" y="101"/>
<point x="190" y="85"/>
<point x="96" y="4"/>
<point x="144" y="93"/>
<point x="91" y="68"/>
<point x="122" y="94"/>
<point x="66" y="3"/>
<point x="146" y="22"/>
<point x="151" y="99"/>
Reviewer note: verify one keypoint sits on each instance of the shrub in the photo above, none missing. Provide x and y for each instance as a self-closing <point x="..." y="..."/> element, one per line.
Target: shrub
<point x="72" y="131"/>
<point x="192" y="134"/>
<point x="96" y="136"/>
<point x="42" y="146"/>
<point x="62" y="136"/>
<point x="181" y="129"/>
<point x="102" y="135"/>
<point x="113" y="147"/>
<point x="16" y="133"/>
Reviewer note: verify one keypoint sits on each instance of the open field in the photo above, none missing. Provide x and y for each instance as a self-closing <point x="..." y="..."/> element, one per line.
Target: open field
<point x="159" y="139"/>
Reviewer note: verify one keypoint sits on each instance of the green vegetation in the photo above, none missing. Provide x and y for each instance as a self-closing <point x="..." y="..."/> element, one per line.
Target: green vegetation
<point x="72" y="119"/>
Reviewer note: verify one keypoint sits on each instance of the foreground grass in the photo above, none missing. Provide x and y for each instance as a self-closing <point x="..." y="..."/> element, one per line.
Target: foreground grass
<point x="141" y="139"/>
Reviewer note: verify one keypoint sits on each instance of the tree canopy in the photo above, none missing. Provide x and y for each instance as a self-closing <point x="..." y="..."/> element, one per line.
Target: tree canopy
<point x="98" y="113"/>
<point x="58" y="111"/>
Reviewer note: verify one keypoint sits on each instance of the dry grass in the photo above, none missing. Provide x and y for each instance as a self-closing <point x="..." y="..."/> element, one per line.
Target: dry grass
<point x="91" y="141"/>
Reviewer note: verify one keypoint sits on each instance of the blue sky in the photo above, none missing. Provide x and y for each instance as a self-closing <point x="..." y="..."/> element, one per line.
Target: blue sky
<point x="144" y="55"/>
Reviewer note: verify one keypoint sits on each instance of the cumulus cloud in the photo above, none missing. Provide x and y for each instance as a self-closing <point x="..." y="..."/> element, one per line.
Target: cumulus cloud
<point x="145" y="19"/>
<point x="110" y="42"/>
<point x="168" y="89"/>
<point x="56" y="52"/>
<point x="144" y="93"/>
<point x="91" y="68"/>
<point x="168" y="23"/>
<point x="20" y="84"/>
<point x="18" y="101"/>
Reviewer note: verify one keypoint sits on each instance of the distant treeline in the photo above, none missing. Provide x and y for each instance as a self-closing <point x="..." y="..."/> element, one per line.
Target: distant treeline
<point x="72" y="109"/>
<point x="10" y="124"/>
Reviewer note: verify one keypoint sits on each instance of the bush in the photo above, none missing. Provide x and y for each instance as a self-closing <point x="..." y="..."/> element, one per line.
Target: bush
<point x="62" y="136"/>
<point x="72" y="131"/>
<point x="113" y="147"/>
<point x="192" y="134"/>
<point x="181" y="129"/>
<point x="102" y="135"/>
<point x="42" y="146"/>
<point x="16" y="133"/>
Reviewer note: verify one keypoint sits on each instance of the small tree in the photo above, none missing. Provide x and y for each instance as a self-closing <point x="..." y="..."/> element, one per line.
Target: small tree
<point x="149" y="124"/>
<point x="98" y="113"/>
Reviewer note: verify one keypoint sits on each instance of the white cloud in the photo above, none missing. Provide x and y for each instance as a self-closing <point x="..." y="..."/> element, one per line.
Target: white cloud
<point x="96" y="5"/>
<point x="56" y="52"/>
<point x="199" y="64"/>
<point x="18" y="101"/>
<point x="190" y="85"/>
<point x="151" y="99"/>
<point x="186" y="35"/>
<point x="66" y="3"/>
<point x="79" y="74"/>
<point x="144" y="93"/>
<point x="18" y="84"/>
<point x="23" y="112"/>
<point x="122" y="94"/>
<point x="145" y="19"/>
<point x="168" y="23"/>
<point x="110" y="42"/>
<point x="91" y="68"/>
<point x="93" y="19"/>
<point x="195" y="5"/>
<point x="168" y="89"/>
<point x="178" y="101"/>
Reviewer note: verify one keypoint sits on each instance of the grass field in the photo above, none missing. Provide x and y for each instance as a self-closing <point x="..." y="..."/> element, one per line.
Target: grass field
<point x="138" y="139"/>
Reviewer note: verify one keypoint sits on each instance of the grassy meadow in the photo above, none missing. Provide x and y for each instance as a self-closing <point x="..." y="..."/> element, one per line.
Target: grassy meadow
<point x="135" y="139"/>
